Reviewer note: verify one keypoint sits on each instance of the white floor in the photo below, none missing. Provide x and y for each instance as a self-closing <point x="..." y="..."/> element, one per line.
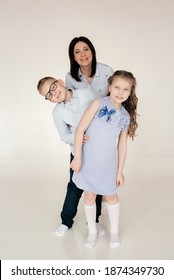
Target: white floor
<point x="32" y="193"/>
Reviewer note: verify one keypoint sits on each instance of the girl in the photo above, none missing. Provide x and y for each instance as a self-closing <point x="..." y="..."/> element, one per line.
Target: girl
<point x="98" y="167"/>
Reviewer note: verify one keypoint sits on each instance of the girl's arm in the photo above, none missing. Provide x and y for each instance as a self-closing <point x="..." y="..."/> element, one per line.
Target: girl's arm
<point x="79" y="134"/>
<point x="122" y="151"/>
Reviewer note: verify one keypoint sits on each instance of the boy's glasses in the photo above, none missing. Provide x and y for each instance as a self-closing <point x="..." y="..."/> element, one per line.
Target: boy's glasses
<point x="53" y="87"/>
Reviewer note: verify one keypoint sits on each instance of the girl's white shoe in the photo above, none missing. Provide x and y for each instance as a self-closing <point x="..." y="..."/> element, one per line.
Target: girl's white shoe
<point x="114" y="240"/>
<point x="91" y="240"/>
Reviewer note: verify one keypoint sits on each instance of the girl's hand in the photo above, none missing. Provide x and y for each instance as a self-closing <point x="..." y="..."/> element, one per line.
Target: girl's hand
<point x="120" y="180"/>
<point x="75" y="165"/>
<point x="85" y="138"/>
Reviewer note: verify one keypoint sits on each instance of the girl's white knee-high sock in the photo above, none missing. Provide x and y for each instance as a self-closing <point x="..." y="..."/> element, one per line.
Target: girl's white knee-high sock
<point x="113" y="212"/>
<point x="90" y="212"/>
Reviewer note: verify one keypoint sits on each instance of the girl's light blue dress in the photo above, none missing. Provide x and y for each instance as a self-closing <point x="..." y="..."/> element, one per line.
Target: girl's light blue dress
<point x="99" y="155"/>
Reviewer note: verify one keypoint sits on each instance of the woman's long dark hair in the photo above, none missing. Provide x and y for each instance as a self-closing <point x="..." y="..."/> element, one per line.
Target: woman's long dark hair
<point x="131" y="103"/>
<point x="74" y="66"/>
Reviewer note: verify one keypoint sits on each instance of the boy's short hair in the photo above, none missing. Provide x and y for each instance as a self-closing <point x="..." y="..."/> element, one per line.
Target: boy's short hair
<point x="42" y="81"/>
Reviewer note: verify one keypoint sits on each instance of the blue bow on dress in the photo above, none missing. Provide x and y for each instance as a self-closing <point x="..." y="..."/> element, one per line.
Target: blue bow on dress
<point x="104" y="111"/>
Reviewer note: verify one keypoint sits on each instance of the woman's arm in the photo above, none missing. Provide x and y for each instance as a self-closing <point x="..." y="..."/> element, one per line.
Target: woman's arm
<point x="79" y="134"/>
<point x="122" y="151"/>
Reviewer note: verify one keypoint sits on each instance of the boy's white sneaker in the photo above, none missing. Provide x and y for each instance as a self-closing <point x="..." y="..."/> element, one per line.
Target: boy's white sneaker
<point x="61" y="230"/>
<point x="100" y="229"/>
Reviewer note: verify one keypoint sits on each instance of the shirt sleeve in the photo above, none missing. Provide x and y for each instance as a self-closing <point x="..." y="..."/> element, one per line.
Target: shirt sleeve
<point x="68" y="81"/>
<point x="124" y="122"/>
<point x="64" y="130"/>
<point x="111" y="71"/>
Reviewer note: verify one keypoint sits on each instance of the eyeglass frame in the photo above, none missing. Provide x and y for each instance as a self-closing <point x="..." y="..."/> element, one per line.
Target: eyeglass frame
<point x="49" y="92"/>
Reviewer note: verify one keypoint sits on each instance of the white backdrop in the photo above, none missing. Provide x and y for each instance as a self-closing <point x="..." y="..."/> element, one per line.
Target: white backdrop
<point x="135" y="35"/>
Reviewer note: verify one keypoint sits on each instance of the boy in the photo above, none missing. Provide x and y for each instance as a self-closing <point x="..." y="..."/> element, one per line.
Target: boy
<point x="67" y="113"/>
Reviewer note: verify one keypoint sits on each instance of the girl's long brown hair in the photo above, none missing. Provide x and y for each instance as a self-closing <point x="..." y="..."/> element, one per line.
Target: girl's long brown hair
<point x="131" y="103"/>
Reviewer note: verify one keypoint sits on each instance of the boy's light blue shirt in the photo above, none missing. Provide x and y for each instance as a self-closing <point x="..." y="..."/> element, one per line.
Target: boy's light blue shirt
<point x="67" y="114"/>
<point x="99" y="82"/>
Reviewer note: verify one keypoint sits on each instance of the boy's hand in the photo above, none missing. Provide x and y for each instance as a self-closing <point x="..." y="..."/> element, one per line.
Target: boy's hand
<point x="85" y="138"/>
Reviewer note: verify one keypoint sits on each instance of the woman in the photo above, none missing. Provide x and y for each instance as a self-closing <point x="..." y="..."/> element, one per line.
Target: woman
<point x="85" y="71"/>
